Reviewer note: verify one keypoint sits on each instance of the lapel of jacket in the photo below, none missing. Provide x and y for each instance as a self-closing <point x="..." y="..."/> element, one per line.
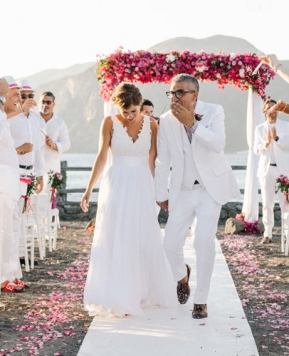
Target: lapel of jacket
<point x="198" y="110"/>
<point x="177" y="127"/>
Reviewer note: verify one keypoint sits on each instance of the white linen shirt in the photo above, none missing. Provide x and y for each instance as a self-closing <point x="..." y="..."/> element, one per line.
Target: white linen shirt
<point x="26" y="129"/>
<point x="9" y="171"/>
<point x="57" y="130"/>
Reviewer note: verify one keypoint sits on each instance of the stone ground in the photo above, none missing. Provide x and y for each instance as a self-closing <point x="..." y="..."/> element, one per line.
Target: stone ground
<point x="48" y="319"/>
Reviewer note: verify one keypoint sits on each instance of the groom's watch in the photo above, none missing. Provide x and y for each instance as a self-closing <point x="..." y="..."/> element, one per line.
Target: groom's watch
<point x="2" y="99"/>
<point x="277" y="138"/>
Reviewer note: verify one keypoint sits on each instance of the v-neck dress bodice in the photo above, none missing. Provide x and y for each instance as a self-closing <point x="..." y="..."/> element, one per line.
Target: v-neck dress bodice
<point x="123" y="145"/>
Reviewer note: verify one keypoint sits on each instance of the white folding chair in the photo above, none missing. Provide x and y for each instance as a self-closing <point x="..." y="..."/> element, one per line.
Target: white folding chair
<point x="39" y="206"/>
<point x="53" y="225"/>
<point x="27" y="230"/>
<point x="47" y="221"/>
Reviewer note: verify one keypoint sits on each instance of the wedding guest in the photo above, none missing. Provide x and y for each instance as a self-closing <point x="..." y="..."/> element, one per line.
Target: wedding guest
<point x="279" y="68"/>
<point x="201" y="181"/>
<point x="10" y="271"/>
<point x="283" y="71"/>
<point x="24" y="127"/>
<point x="57" y="138"/>
<point x="147" y="108"/>
<point x="128" y="269"/>
<point x="271" y="143"/>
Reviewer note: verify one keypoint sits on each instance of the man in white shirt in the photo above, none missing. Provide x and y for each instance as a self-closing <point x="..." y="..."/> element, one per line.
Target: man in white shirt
<point x="10" y="272"/>
<point x="271" y="143"/>
<point x="57" y="138"/>
<point x="24" y="127"/>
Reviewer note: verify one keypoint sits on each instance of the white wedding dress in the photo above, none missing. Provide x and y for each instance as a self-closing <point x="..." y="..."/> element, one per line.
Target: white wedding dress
<point x="128" y="269"/>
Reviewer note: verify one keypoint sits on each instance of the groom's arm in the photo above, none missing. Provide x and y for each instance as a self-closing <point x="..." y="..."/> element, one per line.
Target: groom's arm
<point x="213" y="137"/>
<point x="163" y="164"/>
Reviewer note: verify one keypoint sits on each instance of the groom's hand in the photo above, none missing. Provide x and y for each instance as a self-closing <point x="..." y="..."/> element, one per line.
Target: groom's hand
<point x="185" y="116"/>
<point x="164" y="204"/>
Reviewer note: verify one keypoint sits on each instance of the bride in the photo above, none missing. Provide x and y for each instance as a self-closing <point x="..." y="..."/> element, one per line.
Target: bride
<point x="128" y="269"/>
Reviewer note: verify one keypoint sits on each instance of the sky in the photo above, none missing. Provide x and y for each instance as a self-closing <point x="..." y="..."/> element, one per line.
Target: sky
<point x="39" y="35"/>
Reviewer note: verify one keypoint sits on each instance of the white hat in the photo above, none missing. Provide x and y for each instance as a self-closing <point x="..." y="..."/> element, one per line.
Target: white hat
<point x="12" y="82"/>
<point x="24" y="84"/>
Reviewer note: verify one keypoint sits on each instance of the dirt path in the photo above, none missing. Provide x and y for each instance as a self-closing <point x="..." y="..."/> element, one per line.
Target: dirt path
<point x="48" y="319"/>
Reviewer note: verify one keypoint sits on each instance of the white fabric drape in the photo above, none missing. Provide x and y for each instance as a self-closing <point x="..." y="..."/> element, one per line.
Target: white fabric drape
<point x="254" y="118"/>
<point x="110" y="108"/>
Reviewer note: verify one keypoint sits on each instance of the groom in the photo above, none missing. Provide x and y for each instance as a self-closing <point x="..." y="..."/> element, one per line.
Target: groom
<point x="191" y="140"/>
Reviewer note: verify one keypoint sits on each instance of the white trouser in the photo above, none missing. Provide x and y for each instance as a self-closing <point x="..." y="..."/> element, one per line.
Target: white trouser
<point x="10" y="225"/>
<point x="268" y="188"/>
<point x="190" y="204"/>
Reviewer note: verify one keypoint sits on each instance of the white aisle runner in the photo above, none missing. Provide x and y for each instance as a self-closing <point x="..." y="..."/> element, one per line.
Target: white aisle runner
<point x="173" y="332"/>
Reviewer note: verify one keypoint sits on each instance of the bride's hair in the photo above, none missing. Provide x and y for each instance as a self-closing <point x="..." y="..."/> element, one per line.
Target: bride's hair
<point x="126" y="94"/>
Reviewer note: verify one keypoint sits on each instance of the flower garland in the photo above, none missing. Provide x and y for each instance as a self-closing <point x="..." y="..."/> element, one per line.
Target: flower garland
<point x="146" y="67"/>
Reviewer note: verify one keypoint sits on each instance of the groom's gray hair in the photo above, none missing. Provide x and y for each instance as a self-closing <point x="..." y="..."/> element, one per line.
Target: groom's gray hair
<point x="186" y="78"/>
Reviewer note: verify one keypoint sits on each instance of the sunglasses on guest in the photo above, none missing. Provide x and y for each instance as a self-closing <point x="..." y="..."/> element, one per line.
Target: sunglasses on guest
<point x="25" y="96"/>
<point x="48" y="102"/>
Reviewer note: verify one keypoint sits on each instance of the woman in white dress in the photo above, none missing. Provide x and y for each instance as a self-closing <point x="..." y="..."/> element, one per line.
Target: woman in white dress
<point x="128" y="269"/>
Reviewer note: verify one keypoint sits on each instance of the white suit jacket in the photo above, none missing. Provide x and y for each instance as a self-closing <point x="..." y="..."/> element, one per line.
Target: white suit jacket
<point x="281" y="148"/>
<point x="208" y="144"/>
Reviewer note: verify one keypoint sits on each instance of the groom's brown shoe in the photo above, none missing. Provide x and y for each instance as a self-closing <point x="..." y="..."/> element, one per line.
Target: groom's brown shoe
<point x="183" y="289"/>
<point x="200" y="311"/>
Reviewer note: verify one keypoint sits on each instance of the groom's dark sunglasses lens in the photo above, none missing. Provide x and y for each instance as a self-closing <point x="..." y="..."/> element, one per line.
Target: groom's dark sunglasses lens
<point x="29" y="96"/>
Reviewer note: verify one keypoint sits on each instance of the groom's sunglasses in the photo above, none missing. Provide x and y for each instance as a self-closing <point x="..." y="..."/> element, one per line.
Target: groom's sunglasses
<point x="178" y="93"/>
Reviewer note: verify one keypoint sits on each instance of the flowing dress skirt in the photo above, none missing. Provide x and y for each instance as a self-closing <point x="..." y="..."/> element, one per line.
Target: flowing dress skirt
<point x="128" y="269"/>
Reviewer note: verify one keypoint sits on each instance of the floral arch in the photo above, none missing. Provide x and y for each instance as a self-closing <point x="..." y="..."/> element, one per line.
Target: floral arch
<point x="234" y="69"/>
<point x="147" y="67"/>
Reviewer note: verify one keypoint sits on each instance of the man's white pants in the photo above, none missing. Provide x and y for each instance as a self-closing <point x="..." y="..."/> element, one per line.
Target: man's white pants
<point x="268" y="188"/>
<point x="10" y="225"/>
<point x="190" y="204"/>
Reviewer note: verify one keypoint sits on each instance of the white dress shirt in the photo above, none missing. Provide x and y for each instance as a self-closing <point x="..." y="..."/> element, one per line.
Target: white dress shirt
<point x="9" y="171"/>
<point x="57" y="130"/>
<point x="26" y="129"/>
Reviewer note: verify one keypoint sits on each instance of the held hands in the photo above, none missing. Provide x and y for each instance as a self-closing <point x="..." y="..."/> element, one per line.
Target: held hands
<point x="271" y="135"/>
<point x="185" y="116"/>
<point x="25" y="148"/>
<point x="85" y="201"/>
<point x="164" y="205"/>
<point x="268" y="139"/>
